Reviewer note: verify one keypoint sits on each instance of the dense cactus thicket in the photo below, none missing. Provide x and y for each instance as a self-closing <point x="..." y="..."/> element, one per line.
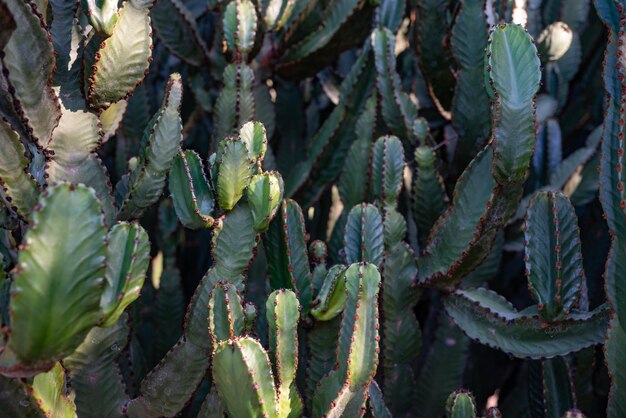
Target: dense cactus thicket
<point x="334" y="208"/>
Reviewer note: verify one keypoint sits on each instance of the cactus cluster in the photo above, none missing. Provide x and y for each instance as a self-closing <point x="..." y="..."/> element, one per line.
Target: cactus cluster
<point x="288" y="208"/>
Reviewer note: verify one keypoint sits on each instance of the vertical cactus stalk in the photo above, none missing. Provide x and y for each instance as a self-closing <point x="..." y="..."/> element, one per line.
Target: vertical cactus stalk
<point x="470" y="104"/>
<point x="343" y="390"/>
<point x="612" y="198"/>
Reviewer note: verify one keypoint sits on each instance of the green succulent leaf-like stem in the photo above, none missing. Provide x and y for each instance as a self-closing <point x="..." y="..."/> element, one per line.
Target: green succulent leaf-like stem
<point x="487" y="317"/>
<point x="56" y="293"/>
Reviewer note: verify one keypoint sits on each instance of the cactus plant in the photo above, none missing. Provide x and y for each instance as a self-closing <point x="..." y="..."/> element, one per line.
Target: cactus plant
<point x="288" y="208"/>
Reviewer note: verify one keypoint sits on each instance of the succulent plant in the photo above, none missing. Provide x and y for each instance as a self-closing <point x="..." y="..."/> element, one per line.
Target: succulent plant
<point x="288" y="208"/>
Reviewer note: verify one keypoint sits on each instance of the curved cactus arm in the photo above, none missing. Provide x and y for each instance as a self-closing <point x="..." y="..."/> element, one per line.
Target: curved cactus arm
<point x="471" y="113"/>
<point x="487" y="317"/>
<point x="226" y="315"/>
<point x="282" y="317"/>
<point x="455" y="247"/>
<point x="56" y="292"/>
<point x="18" y="401"/>
<point x="357" y="355"/>
<point x="236" y="104"/>
<point x="442" y="371"/>
<point x="402" y="339"/>
<point x="429" y="193"/>
<point x="430" y="31"/>
<point x="176" y="27"/>
<point x="332" y="295"/>
<point x="455" y="230"/>
<point x="363" y="237"/>
<point x="243" y="377"/>
<point x="103" y="15"/>
<point x="553" y="255"/>
<point x="460" y="404"/>
<point x="50" y="391"/>
<point x="128" y="256"/>
<point x="240" y="25"/>
<point x="94" y="374"/>
<point x="287" y="256"/>
<point x="20" y="188"/>
<point x="398" y="110"/>
<point x="143" y="185"/>
<point x="387" y="170"/>
<point x="124" y="57"/>
<point x="375" y="400"/>
<point x="191" y="194"/>
<point x="265" y="194"/>
<point x="514" y="75"/>
<point x="28" y="63"/>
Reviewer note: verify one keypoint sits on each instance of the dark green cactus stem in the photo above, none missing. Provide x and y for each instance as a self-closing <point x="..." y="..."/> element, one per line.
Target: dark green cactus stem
<point x="398" y="110"/>
<point x="352" y="184"/>
<point x="402" y="338"/>
<point x="460" y="240"/>
<point x="329" y="146"/>
<point x="554" y="265"/>
<point x="176" y="27"/>
<point x="430" y="32"/>
<point x="94" y="374"/>
<point x="442" y="371"/>
<point x="612" y="198"/>
<point x="429" y="194"/>
<point x="553" y="380"/>
<point x="363" y="237"/>
<point x="143" y="185"/>
<point x="470" y="105"/>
